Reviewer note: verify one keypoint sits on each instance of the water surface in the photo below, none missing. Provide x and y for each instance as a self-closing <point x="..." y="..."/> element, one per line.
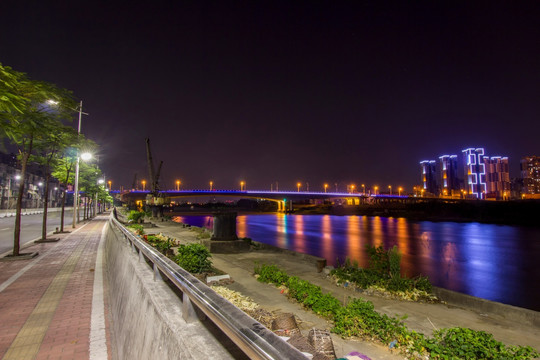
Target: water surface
<point x="494" y="262"/>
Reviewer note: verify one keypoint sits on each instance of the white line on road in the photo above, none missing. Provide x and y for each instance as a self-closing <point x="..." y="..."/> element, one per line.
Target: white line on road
<point x="5" y="229"/>
<point x="98" y="338"/>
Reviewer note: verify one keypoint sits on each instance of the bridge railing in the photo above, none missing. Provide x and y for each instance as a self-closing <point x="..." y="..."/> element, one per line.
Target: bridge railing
<point x="248" y="334"/>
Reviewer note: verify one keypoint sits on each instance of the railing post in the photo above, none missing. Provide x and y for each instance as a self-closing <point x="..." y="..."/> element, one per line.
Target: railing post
<point x="141" y="256"/>
<point x="157" y="275"/>
<point x="188" y="311"/>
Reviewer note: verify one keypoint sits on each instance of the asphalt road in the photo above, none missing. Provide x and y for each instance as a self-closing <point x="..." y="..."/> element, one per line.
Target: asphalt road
<point x="30" y="228"/>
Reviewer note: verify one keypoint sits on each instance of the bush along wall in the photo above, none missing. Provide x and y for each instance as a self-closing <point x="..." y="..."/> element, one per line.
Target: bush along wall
<point x="194" y="258"/>
<point x="359" y="319"/>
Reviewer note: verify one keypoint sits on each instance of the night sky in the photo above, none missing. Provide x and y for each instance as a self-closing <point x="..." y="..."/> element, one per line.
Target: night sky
<point x="288" y="91"/>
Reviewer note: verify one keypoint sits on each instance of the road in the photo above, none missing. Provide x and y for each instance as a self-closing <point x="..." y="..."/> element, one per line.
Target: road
<point x="31" y="228"/>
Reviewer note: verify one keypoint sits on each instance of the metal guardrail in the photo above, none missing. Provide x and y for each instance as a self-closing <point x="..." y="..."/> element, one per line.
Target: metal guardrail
<point x="248" y="334"/>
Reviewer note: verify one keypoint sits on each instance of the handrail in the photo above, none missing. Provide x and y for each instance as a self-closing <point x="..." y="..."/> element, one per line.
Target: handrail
<point x="248" y="334"/>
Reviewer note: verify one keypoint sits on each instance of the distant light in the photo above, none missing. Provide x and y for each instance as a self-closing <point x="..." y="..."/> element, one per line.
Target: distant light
<point x="101" y="181"/>
<point x="52" y="102"/>
<point x="17" y="177"/>
<point x="86" y="156"/>
<point x="40" y="184"/>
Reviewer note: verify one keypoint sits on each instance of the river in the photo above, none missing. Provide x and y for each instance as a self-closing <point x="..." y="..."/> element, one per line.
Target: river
<point x="494" y="262"/>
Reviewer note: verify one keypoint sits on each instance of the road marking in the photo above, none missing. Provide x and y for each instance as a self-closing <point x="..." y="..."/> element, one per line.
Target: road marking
<point x="5" y="229"/>
<point x="98" y="337"/>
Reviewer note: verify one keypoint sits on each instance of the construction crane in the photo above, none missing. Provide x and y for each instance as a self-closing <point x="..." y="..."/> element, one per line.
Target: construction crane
<point x="154" y="199"/>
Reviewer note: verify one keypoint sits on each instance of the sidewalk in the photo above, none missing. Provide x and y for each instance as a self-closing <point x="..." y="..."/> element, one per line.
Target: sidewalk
<point x="55" y="306"/>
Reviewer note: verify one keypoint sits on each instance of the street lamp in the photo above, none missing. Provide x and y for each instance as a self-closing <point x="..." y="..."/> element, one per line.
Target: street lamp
<point x="143" y="185"/>
<point x="399" y="190"/>
<point x="76" y="185"/>
<point x="390" y="187"/>
<point x="376" y="188"/>
<point x="298" y="186"/>
<point x="177" y="185"/>
<point x="211" y="185"/>
<point x="110" y="184"/>
<point x="242" y="185"/>
<point x="364" y="189"/>
<point x="325" y="187"/>
<point x="352" y="189"/>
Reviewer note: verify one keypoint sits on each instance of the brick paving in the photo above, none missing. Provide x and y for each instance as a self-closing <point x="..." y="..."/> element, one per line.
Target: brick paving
<point x="45" y="313"/>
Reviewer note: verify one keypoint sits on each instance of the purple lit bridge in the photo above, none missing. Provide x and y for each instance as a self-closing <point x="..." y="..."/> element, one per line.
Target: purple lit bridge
<point x="284" y="199"/>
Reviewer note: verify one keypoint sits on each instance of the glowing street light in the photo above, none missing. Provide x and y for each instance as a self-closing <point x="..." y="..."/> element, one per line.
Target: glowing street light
<point x="325" y="187"/>
<point x="242" y="183"/>
<point x="376" y="188"/>
<point x="110" y="184"/>
<point x="298" y="186"/>
<point x="352" y="189"/>
<point x="177" y="185"/>
<point x="390" y="187"/>
<point x="364" y="189"/>
<point x="211" y="185"/>
<point x="399" y="190"/>
<point x="143" y="185"/>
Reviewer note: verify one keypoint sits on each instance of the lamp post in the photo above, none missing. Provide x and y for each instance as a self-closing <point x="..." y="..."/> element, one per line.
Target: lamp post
<point x="399" y="190"/>
<point x="364" y="189"/>
<point x="110" y="185"/>
<point x="298" y="187"/>
<point x="376" y="188"/>
<point x="177" y="185"/>
<point x="325" y="187"/>
<point x="211" y="185"/>
<point x="143" y="185"/>
<point x="242" y="185"/>
<point x="76" y="184"/>
<point x="390" y="187"/>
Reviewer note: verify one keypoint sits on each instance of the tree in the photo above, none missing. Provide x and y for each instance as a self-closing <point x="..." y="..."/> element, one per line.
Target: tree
<point x="27" y="119"/>
<point x="13" y="97"/>
<point x="48" y="154"/>
<point x="63" y="170"/>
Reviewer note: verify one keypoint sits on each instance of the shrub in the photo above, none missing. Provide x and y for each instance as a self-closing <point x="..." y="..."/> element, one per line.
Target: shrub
<point x="135" y="215"/>
<point x="271" y="274"/>
<point x="139" y="229"/>
<point x="465" y="343"/>
<point x="194" y="258"/>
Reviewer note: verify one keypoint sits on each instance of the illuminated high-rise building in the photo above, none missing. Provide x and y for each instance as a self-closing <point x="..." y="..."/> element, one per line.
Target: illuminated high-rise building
<point x="449" y="179"/>
<point x="475" y="172"/>
<point x="530" y="172"/>
<point x="497" y="177"/>
<point x="429" y="176"/>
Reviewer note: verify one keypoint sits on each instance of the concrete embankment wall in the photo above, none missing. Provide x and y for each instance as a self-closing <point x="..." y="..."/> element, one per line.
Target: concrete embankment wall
<point x="146" y="315"/>
<point x="514" y="313"/>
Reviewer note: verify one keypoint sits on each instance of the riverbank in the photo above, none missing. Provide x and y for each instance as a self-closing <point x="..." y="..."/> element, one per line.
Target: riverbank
<point x="421" y="317"/>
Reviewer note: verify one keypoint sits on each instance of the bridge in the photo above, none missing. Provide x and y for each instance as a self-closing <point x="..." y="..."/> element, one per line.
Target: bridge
<point x="284" y="199"/>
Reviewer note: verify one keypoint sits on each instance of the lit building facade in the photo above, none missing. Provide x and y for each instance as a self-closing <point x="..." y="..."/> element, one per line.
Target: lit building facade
<point x="429" y="176"/>
<point x="497" y="177"/>
<point x="475" y="172"/>
<point x="449" y="178"/>
<point x="530" y="173"/>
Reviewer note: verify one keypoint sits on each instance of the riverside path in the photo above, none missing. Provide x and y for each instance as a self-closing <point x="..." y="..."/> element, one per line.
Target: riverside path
<point x="54" y="306"/>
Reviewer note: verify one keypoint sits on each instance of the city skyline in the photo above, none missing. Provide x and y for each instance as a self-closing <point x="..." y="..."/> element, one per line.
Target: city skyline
<point x="304" y="92"/>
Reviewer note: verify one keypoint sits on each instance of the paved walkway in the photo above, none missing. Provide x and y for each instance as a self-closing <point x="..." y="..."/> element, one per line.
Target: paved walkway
<point x="54" y="306"/>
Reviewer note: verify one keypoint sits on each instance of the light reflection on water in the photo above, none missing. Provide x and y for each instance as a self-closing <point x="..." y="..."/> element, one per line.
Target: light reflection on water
<point x="489" y="261"/>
